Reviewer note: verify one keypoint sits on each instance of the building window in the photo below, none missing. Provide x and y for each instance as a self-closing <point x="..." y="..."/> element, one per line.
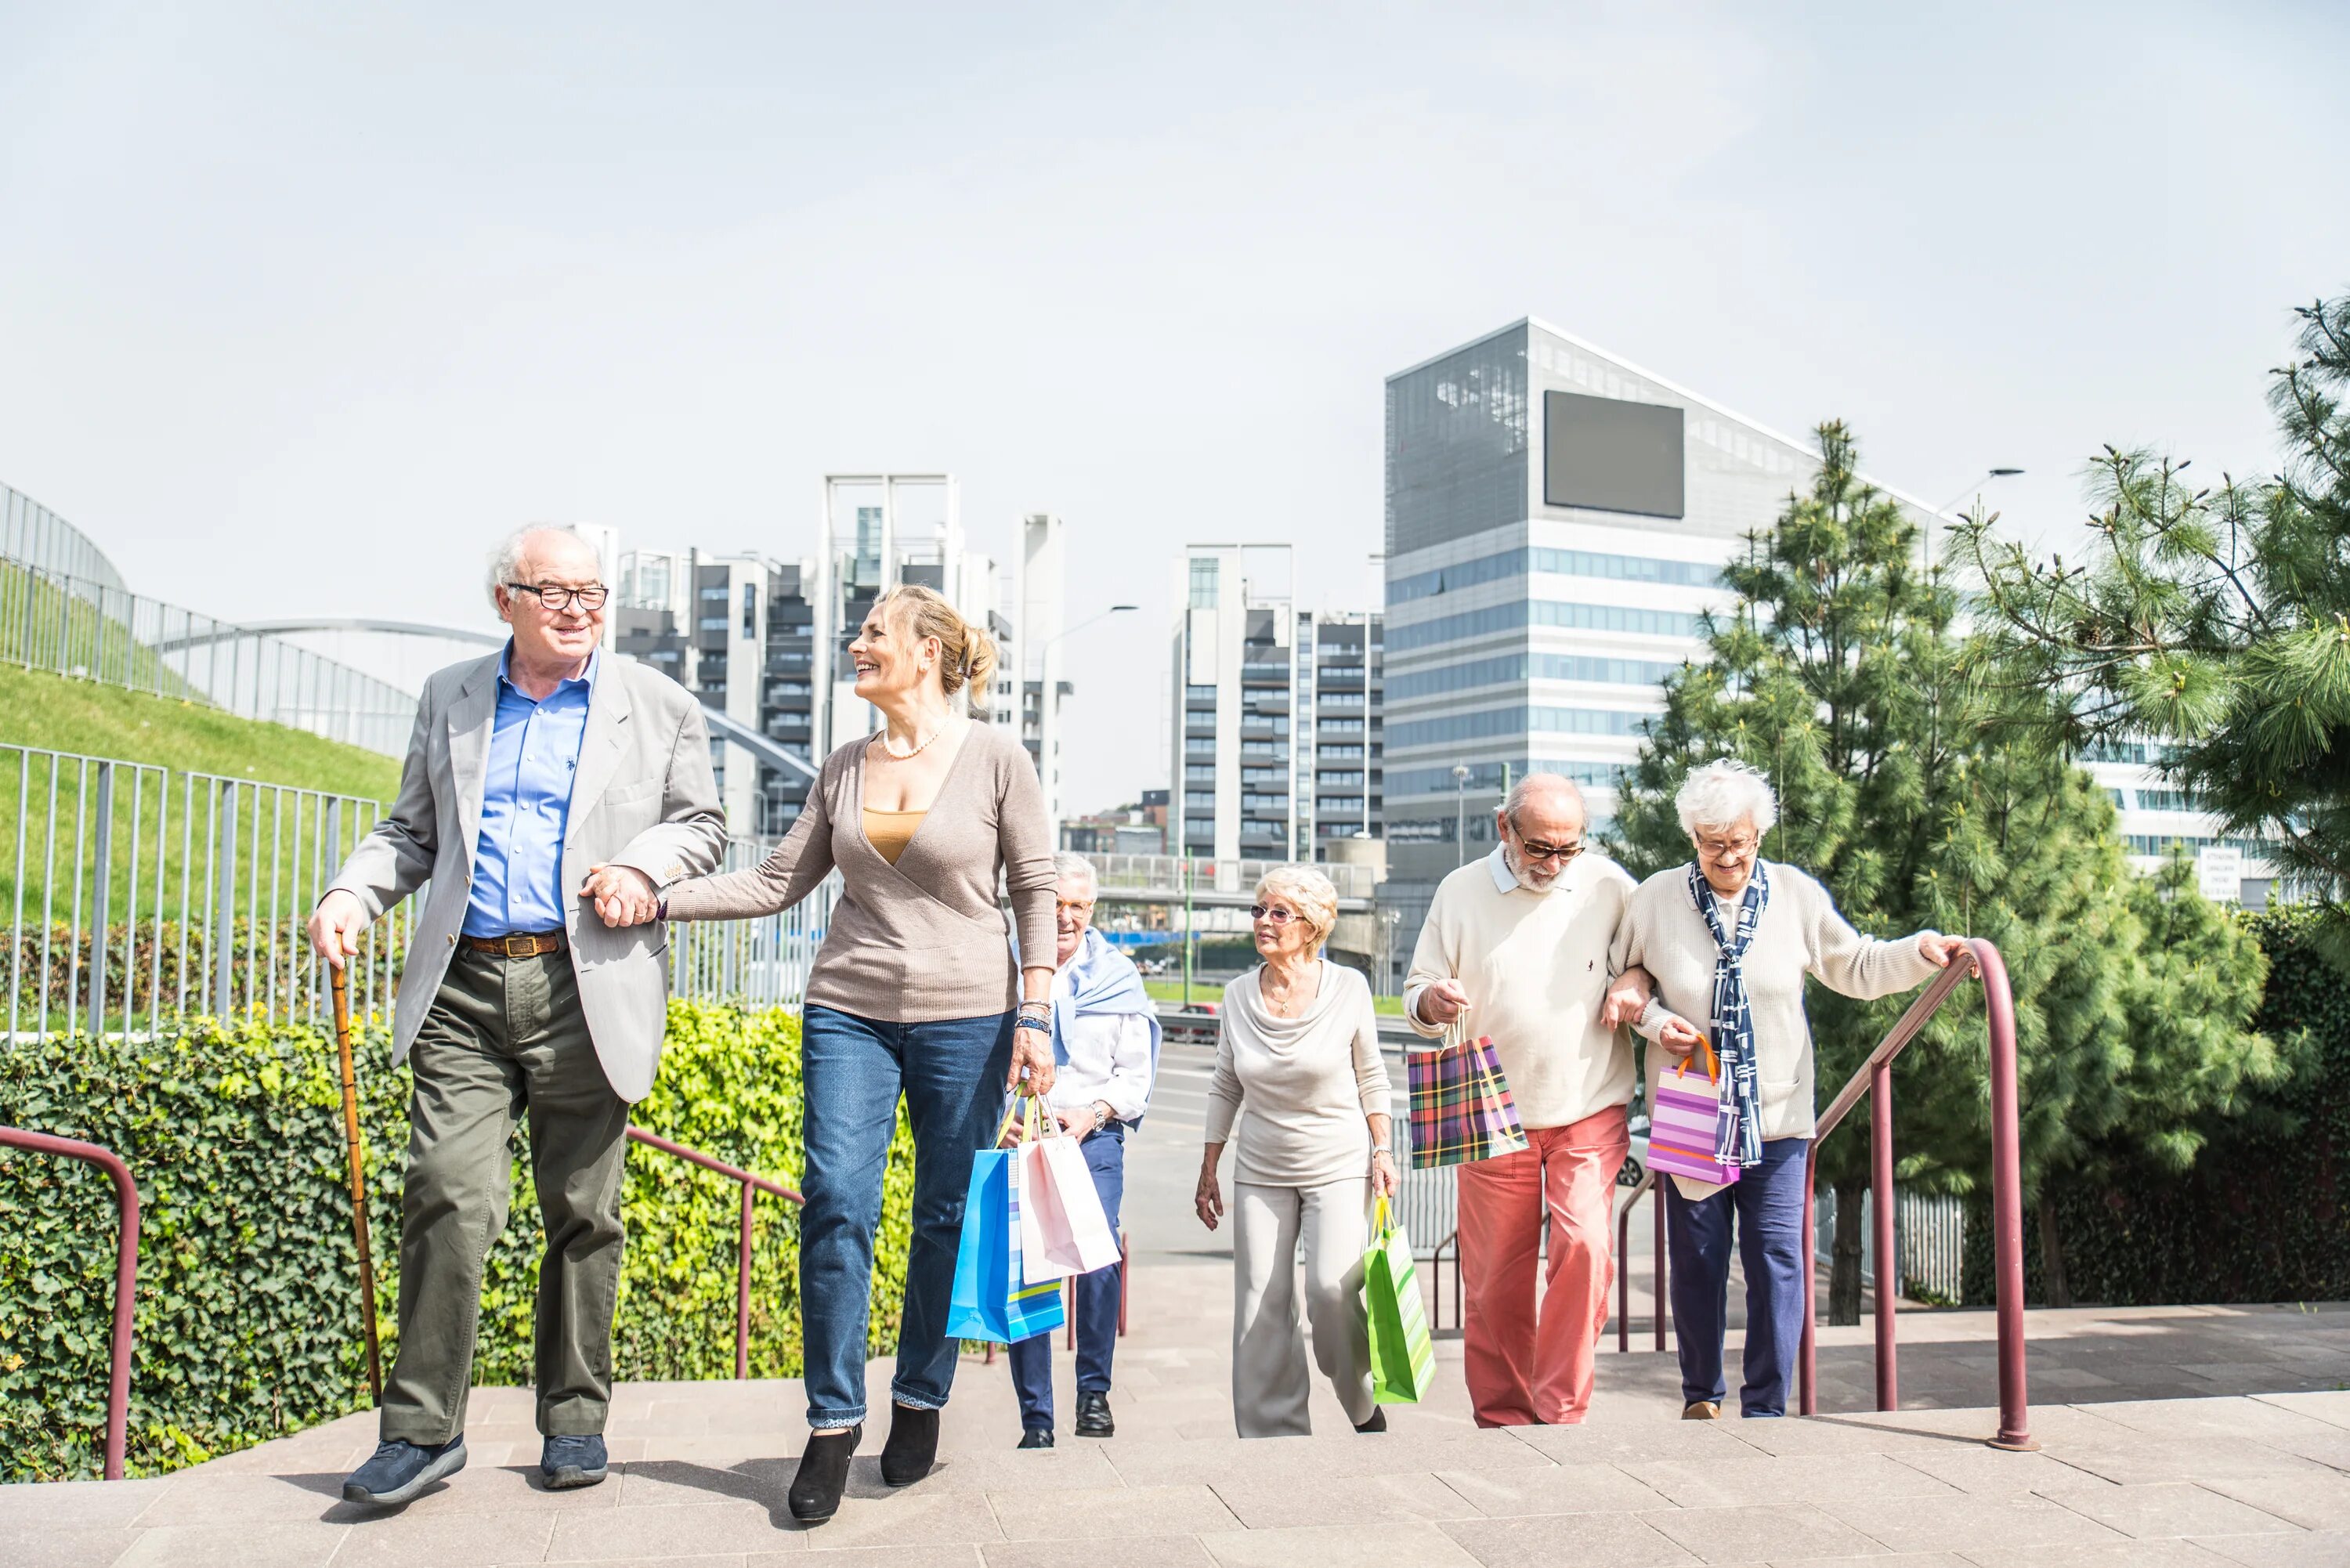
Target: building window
<point x="1204" y="584"/>
<point x="750" y="611"/>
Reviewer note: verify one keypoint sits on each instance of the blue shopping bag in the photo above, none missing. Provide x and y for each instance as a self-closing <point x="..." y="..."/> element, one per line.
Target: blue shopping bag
<point x="990" y="1302"/>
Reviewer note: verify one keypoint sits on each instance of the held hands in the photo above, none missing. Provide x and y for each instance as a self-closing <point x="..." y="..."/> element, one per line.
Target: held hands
<point x="1444" y="1001"/>
<point x="623" y="895"/>
<point x="1940" y="949"/>
<point x="335" y="927"/>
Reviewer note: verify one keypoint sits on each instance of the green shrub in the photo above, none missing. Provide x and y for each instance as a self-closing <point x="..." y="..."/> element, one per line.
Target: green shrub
<point x="247" y="1319"/>
<point x="2263" y="1214"/>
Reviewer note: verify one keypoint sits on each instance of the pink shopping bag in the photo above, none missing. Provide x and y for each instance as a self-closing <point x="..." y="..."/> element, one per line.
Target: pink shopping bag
<point x="1684" y="1124"/>
<point x="1064" y="1229"/>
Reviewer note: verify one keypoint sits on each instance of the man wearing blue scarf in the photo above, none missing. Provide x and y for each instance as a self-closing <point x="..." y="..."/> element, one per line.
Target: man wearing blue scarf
<point x="1105" y="1052"/>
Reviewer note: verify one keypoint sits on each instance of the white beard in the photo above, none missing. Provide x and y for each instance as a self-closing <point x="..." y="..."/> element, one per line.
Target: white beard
<point x="1517" y="869"/>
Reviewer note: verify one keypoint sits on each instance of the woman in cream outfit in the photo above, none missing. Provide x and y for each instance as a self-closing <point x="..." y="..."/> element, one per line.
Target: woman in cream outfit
<point x="1298" y="1045"/>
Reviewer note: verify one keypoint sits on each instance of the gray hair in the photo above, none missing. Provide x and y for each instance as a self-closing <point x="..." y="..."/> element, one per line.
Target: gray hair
<point x="1723" y="792"/>
<point x="1066" y="865"/>
<point x="1527" y="787"/>
<point x="1307" y="890"/>
<point x="505" y="561"/>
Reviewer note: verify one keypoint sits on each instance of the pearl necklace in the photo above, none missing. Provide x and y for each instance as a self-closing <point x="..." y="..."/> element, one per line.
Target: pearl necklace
<point x="883" y="736"/>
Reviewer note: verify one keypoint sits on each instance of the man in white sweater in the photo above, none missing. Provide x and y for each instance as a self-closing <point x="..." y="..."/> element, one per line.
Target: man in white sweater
<point x="1516" y="947"/>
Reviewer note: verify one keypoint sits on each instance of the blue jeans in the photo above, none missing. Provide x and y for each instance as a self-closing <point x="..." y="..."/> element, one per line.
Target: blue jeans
<point x="852" y="1071"/>
<point x="1032" y="1358"/>
<point x="1767" y="1203"/>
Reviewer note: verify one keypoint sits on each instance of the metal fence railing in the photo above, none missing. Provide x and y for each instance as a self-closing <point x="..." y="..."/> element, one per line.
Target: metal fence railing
<point x="1928" y="1235"/>
<point x="31" y="532"/>
<point x="95" y="630"/>
<point x="133" y="892"/>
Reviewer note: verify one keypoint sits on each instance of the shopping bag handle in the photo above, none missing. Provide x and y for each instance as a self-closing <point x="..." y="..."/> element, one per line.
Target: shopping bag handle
<point x="1021" y="1117"/>
<point x="1382" y="1222"/>
<point x="1713" y="1062"/>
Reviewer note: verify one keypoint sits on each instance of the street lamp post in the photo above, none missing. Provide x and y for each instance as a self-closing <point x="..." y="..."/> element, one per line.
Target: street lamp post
<point x="1460" y="813"/>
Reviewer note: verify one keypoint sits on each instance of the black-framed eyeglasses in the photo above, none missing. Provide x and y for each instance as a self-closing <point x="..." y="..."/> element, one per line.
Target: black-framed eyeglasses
<point x="557" y="598"/>
<point x="1273" y="913"/>
<point x="1533" y="850"/>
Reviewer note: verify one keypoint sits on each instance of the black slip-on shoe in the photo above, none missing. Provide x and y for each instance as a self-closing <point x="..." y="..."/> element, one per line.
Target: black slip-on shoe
<point x="823" y="1474"/>
<point x="1037" y="1438"/>
<point x="913" y="1446"/>
<point x="1378" y="1422"/>
<point x="567" y="1462"/>
<point x="401" y="1471"/>
<point x="1093" y="1415"/>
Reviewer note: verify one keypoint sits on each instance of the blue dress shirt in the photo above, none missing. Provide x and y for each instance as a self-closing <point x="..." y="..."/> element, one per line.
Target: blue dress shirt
<point x="526" y="807"/>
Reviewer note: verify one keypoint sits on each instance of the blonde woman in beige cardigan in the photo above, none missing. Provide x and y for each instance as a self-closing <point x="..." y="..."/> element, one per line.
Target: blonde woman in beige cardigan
<point x="1298" y="1046"/>
<point x="915" y="991"/>
<point x="1729" y="939"/>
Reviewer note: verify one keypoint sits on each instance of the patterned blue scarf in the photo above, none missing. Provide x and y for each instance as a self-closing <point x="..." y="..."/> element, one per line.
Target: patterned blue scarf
<point x="1739" y="1140"/>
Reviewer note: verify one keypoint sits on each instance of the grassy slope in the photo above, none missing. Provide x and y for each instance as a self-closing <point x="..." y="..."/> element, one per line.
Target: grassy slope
<point x="56" y="713"/>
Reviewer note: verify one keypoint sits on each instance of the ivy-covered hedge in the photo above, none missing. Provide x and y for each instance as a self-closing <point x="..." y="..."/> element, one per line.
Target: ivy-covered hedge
<point x="248" y="1314"/>
<point x="2263" y="1215"/>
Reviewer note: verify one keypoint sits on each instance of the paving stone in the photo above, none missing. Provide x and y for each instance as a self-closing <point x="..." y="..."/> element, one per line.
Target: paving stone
<point x="1271" y="1504"/>
<point x="2332" y="1406"/>
<point x="201" y="1497"/>
<point x="1118" y="1510"/>
<point x="681" y="1484"/>
<point x="2311" y="1502"/>
<point x="1691" y="1442"/>
<point x="1935" y="1524"/>
<point x="949" y="1519"/>
<point x="1100" y="1551"/>
<point x="281" y="1543"/>
<point x="2317" y="1549"/>
<point x="2166" y="1509"/>
<point x="1759" y="1534"/>
<point x="966" y="1555"/>
<point x="1981" y="1469"/>
<point x="446" y="1540"/>
<point x="1315" y="1546"/>
<point x="1897" y="1560"/>
<point x="2128" y="1555"/>
<point x="1560" y="1488"/>
<point x="1312" y="1459"/>
<point x="86" y="1503"/>
<point x="1584" y="1539"/>
<point x="65" y="1545"/>
<point x="2143" y="1460"/>
<point x="1758" y="1480"/>
<point x="716" y="1528"/>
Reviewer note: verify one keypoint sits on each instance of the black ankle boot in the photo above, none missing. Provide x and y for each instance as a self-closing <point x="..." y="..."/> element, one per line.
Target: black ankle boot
<point x="913" y="1446"/>
<point x="823" y="1473"/>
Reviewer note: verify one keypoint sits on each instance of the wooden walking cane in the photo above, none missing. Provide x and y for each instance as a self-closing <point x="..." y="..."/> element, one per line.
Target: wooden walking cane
<point x="358" y="1177"/>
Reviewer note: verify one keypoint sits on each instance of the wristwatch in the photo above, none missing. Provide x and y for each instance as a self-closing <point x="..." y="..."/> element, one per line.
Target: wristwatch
<point x="1104" y="1114"/>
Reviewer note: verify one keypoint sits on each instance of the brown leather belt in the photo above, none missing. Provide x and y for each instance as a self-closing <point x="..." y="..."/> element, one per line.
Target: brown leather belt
<point x="515" y="944"/>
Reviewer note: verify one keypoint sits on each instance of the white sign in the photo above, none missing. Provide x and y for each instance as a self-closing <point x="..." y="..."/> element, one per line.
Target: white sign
<point x="2220" y="873"/>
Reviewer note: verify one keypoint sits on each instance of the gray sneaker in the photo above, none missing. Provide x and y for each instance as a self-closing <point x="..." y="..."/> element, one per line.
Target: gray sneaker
<point x="401" y="1471"/>
<point x="567" y="1462"/>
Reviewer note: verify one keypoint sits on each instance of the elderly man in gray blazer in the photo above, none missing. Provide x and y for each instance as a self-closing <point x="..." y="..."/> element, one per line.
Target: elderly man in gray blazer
<point x="540" y="781"/>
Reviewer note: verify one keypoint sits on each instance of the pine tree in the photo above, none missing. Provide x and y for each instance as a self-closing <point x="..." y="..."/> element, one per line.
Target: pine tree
<point x="2215" y="620"/>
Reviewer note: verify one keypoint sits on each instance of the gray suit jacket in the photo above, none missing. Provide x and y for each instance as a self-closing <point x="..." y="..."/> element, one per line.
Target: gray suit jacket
<point x="644" y="796"/>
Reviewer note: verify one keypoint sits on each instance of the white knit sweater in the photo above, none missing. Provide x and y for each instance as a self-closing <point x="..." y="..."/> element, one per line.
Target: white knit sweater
<point x="1801" y="933"/>
<point x="1310" y="1085"/>
<point x="1536" y="966"/>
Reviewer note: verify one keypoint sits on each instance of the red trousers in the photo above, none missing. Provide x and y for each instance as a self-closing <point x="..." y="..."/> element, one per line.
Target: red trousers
<point x="1529" y="1364"/>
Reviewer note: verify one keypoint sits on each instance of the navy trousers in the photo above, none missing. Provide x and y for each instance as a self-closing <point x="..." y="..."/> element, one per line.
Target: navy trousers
<point x="1767" y="1204"/>
<point x="1032" y="1358"/>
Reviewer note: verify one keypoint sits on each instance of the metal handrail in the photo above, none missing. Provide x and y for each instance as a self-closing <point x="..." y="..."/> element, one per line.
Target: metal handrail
<point x="743" y="1264"/>
<point x="1875" y="1079"/>
<point x="126" y="1274"/>
<point x="1979" y="958"/>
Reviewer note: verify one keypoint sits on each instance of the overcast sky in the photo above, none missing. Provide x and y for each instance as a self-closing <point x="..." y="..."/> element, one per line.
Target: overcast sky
<point x="300" y="306"/>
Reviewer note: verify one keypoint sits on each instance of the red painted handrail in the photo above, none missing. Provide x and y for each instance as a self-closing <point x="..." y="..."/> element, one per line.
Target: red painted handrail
<point x="126" y="1274"/>
<point x="742" y="1261"/>
<point x="1875" y="1080"/>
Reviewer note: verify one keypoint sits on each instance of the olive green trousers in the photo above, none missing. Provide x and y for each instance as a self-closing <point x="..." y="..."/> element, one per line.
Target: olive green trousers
<point x="505" y="1039"/>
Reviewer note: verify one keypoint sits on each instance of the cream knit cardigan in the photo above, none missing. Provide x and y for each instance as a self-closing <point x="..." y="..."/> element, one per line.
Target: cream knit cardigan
<point x="1801" y="934"/>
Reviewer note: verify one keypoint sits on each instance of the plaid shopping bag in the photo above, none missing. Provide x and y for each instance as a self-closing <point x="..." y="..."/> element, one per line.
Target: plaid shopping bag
<point x="1461" y="1109"/>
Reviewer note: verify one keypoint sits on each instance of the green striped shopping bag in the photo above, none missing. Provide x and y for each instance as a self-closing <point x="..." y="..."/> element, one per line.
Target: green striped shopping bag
<point x="1403" y="1356"/>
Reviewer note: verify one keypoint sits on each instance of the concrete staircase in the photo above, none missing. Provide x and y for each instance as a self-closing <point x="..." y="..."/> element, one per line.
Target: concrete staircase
<point x="2257" y="1479"/>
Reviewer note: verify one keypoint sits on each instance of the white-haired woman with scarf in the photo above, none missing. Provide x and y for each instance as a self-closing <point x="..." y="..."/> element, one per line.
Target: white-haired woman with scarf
<point x="1729" y="939"/>
<point x="1105" y="1052"/>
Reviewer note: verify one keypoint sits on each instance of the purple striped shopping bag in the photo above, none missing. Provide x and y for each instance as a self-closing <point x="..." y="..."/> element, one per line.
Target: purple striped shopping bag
<point x="1685" y="1122"/>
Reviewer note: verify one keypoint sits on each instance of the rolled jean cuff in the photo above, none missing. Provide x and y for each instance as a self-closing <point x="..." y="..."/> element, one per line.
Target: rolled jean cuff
<point x="919" y="1401"/>
<point x="825" y="1420"/>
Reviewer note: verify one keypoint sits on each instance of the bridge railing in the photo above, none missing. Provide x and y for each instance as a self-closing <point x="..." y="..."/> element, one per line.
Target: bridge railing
<point x="1206" y="875"/>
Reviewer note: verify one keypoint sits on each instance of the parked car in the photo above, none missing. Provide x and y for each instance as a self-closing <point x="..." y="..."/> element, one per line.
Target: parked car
<point x="1636" y="1163"/>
